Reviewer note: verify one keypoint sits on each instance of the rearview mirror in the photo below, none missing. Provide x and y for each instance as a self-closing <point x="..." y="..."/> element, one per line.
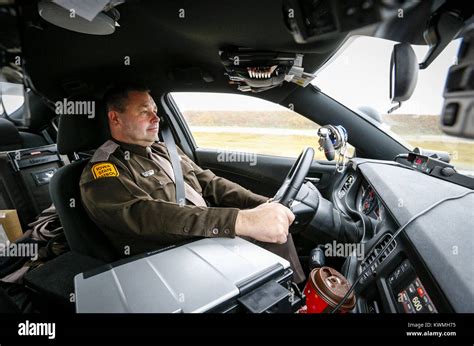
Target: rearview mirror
<point x="403" y="73"/>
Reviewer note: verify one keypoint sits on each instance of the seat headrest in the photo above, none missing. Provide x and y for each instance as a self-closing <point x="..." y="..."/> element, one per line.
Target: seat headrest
<point x="10" y="138"/>
<point x="83" y="132"/>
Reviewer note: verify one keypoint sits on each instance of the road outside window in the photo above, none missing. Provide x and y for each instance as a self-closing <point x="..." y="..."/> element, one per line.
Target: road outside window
<point x="247" y="124"/>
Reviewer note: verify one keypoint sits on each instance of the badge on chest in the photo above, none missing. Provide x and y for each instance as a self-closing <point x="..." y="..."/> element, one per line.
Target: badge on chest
<point x="148" y="173"/>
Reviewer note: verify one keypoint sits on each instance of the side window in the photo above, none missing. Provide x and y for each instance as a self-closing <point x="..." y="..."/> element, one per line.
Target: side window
<point x="12" y="98"/>
<point x="247" y="124"/>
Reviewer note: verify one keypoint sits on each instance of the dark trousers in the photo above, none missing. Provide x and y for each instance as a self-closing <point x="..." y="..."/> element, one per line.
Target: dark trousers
<point x="288" y="252"/>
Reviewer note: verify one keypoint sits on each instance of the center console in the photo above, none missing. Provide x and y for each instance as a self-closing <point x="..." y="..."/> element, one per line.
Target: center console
<point x="394" y="277"/>
<point x="408" y="291"/>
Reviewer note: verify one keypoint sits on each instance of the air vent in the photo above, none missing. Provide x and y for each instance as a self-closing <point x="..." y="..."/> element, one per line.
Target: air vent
<point x="345" y="187"/>
<point x="369" y="261"/>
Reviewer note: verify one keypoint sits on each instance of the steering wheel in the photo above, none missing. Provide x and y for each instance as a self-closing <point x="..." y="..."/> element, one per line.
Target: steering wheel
<point x="295" y="178"/>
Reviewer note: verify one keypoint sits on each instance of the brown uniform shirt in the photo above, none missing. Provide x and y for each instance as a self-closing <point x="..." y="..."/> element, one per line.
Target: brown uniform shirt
<point x="133" y="201"/>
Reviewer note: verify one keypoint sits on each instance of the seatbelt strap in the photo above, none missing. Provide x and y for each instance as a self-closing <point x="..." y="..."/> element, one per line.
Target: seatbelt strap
<point x="191" y="195"/>
<point x="175" y="163"/>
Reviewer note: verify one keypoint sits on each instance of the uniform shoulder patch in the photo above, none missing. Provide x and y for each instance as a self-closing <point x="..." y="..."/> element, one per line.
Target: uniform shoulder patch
<point x="104" y="170"/>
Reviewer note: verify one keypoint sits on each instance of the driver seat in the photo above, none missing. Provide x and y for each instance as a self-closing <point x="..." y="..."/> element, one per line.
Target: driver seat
<point x="76" y="134"/>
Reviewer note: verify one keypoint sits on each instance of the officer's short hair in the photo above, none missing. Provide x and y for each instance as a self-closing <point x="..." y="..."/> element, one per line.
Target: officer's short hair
<point x="116" y="96"/>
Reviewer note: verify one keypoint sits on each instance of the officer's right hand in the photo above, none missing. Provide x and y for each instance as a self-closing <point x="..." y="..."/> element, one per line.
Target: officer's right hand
<point x="269" y="222"/>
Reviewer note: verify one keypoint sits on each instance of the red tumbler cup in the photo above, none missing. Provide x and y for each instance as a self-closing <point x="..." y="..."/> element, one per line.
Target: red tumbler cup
<point x="325" y="289"/>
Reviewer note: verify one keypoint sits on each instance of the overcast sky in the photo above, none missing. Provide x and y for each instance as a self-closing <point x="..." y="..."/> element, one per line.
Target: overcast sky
<point x="359" y="76"/>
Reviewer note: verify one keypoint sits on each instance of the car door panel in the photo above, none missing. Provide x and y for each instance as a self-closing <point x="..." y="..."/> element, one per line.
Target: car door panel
<point x="265" y="174"/>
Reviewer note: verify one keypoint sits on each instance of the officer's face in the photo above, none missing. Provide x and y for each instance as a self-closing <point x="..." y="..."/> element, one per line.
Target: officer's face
<point x="138" y="123"/>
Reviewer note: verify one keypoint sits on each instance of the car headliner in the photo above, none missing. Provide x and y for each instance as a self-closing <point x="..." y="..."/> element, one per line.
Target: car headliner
<point x="63" y="63"/>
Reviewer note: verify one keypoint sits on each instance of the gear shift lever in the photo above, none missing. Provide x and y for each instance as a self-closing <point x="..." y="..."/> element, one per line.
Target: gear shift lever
<point x="317" y="258"/>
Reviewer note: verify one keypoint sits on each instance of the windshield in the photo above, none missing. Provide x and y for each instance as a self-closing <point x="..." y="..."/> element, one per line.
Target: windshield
<point x="363" y="68"/>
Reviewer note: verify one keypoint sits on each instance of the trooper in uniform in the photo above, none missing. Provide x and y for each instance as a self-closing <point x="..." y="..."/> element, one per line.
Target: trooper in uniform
<point x="128" y="190"/>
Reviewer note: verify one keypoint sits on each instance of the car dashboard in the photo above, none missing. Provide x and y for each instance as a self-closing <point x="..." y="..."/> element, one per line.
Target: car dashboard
<point x="428" y="267"/>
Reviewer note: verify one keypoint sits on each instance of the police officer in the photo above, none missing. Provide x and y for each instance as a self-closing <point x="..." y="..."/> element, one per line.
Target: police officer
<point x="128" y="190"/>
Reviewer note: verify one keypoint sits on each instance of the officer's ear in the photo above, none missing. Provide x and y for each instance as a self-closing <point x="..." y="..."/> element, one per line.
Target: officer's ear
<point x="113" y="117"/>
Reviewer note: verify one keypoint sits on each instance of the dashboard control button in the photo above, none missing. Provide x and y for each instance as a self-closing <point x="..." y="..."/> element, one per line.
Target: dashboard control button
<point x="408" y="307"/>
<point x="404" y="296"/>
<point x="397" y="273"/>
<point x="391" y="279"/>
<point x="420" y="292"/>
<point x="405" y="265"/>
